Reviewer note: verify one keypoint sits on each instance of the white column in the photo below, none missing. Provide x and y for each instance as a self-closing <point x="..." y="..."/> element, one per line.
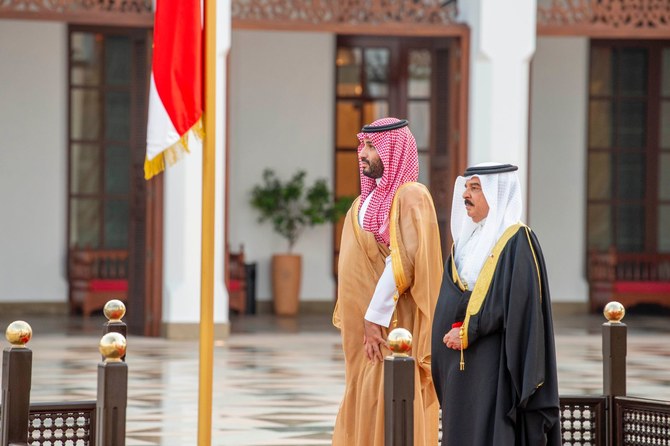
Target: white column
<point x="224" y="29"/>
<point x="502" y="43"/>
<point x="183" y="216"/>
<point x="559" y="117"/>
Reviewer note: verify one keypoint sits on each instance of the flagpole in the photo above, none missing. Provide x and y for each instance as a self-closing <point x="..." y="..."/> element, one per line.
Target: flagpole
<point x="207" y="241"/>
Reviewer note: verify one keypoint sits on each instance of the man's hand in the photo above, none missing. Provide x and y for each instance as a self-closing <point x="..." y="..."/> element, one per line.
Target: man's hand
<point x="452" y="339"/>
<point x="373" y="341"/>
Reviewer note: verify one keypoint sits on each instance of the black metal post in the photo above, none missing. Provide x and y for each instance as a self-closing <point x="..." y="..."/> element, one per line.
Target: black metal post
<point x="614" y="371"/>
<point x="614" y="358"/>
<point x="399" y="401"/>
<point x="17" y="365"/>
<point x="111" y="403"/>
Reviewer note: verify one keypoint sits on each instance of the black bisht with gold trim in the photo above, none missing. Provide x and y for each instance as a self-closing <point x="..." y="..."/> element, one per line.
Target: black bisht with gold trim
<point x="507" y="392"/>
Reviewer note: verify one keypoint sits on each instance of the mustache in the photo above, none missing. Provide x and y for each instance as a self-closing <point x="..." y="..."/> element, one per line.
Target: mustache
<point x="468" y="202"/>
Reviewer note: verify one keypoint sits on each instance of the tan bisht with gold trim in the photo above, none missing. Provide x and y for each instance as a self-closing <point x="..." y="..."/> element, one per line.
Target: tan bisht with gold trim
<point x="417" y="267"/>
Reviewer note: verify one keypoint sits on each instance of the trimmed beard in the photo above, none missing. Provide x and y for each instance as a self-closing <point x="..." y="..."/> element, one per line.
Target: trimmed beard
<point x="375" y="170"/>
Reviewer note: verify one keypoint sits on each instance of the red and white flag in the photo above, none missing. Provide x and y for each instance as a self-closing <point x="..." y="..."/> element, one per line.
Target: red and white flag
<point x="176" y="91"/>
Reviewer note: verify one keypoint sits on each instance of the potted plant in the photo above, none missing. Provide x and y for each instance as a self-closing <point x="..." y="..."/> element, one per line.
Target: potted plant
<point x="292" y="207"/>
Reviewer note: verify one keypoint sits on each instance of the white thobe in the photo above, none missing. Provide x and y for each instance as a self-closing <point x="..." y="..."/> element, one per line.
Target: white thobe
<point x="381" y="307"/>
<point x="465" y="248"/>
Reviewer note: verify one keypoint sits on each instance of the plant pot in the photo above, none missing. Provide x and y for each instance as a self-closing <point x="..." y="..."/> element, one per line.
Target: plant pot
<point x="286" y="272"/>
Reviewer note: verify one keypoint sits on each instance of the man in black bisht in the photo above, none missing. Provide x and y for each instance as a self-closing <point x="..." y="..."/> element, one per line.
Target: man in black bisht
<point x="493" y="354"/>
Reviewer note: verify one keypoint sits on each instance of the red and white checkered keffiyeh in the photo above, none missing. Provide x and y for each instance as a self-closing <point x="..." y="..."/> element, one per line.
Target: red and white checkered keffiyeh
<point x="397" y="150"/>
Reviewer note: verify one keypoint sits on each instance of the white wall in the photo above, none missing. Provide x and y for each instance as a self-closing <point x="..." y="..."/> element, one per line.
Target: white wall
<point x="33" y="161"/>
<point x="281" y="116"/>
<point x="182" y="247"/>
<point x="558" y="161"/>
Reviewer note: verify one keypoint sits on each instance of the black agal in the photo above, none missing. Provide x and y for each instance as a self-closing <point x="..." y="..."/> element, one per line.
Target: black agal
<point x="488" y="170"/>
<point x="385" y="128"/>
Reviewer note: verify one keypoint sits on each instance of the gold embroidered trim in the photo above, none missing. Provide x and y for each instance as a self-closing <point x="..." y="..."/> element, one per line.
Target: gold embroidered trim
<point x="396" y="260"/>
<point x="173" y="153"/>
<point x="354" y="221"/>
<point x="537" y="265"/>
<point x="484" y="279"/>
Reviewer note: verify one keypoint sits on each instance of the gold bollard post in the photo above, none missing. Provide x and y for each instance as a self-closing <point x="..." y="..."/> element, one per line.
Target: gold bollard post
<point x="614" y="350"/>
<point x="399" y="390"/>
<point x="112" y="392"/>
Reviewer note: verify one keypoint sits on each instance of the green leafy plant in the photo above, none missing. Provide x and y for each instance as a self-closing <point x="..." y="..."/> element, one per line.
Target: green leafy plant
<point x="291" y="207"/>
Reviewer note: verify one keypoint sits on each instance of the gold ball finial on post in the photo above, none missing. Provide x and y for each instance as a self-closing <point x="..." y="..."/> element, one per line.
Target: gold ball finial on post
<point x="19" y="333"/>
<point x="113" y="347"/>
<point x="614" y="312"/>
<point x="114" y="310"/>
<point x="400" y="341"/>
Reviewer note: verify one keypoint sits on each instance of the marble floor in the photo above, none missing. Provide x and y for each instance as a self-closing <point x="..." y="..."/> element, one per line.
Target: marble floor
<point x="278" y="381"/>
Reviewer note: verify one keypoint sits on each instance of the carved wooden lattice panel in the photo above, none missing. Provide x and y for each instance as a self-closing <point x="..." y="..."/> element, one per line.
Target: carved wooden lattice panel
<point x="351" y="12"/>
<point x="66" y="424"/>
<point x="642" y="422"/>
<point x="605" y="13"/>
<point x="583" y="421"/>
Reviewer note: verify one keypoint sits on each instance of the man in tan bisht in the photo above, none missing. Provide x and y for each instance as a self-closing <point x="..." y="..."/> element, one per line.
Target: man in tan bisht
<point x="390" y="269"/>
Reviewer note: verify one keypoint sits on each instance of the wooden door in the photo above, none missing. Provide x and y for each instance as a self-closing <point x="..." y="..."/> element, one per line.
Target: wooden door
<point x="110" y="204"/>
<point x="415" y="78"/>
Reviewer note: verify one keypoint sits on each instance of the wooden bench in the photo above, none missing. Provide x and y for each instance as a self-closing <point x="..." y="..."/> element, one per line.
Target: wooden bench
<point x="629" y="278"/>
<point x="97" y="276"/>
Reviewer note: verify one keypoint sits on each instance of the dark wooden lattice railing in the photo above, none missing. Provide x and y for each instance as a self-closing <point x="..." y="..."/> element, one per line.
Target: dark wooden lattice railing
<point x="583" y="420"/>
<point x="641" y="422"/>
<point x="78" y="423"/>
<point x="62" y="424"/>
<point x="613" y="418"/>
<point x="610" y="419"/>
